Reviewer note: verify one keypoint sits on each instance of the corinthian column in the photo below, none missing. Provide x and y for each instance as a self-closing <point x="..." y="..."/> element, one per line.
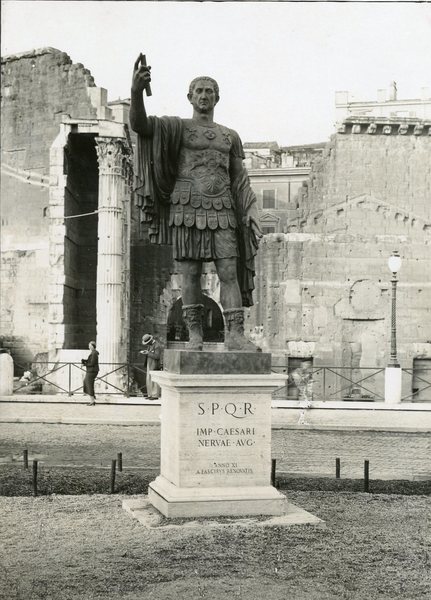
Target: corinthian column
<point x="112" y="258"/>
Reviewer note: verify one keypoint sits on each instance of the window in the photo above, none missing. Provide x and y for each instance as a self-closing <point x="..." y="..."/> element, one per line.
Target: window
<point x="268" y="199"/>
<point x="268" y="229"/>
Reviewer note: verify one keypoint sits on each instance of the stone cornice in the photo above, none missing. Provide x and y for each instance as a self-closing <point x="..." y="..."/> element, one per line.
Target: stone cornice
<point x="384" y="126"/>
<point x="278" y="171"/>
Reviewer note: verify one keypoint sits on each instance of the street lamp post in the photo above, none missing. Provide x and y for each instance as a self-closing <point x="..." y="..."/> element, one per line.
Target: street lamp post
<point x="393" y="372"/>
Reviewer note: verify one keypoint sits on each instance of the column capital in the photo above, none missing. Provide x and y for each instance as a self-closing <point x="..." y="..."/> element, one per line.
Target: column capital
<point x="114" y="156"/>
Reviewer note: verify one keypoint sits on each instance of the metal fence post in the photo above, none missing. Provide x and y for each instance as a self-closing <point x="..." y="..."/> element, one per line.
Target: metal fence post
<point x="127" y="392"/>
<point x="35" y="478"/>
<point x="113" y="468"/>
<point x="70" y="379"/>
<point x="366" y="476"/>
<point x="273" y="467"/>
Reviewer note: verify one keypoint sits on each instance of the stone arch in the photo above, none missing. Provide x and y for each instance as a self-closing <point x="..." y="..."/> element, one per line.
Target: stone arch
<point x="213" y="326"/>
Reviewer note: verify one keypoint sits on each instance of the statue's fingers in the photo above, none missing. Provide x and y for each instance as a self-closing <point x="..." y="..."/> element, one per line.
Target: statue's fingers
<point x="138" y="60"/>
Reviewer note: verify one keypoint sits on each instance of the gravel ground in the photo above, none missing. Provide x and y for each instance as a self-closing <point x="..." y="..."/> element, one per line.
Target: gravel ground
<point x="392" y="455"/>
<point x="89" y="548"/>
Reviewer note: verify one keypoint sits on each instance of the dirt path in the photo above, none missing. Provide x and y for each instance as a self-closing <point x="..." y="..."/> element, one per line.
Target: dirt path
<point x="391" y="455"/>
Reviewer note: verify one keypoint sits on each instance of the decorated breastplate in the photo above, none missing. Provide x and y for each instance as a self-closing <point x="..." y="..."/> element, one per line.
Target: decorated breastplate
<point x="208" y="170"/>
<point x="201" y="197"/>
<point x="204" y="157"/>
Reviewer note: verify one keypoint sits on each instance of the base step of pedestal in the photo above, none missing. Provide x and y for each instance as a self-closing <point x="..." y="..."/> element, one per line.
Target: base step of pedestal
<point x="143" y="510"/>
<point x="175" y="502"/>
<point x="218" y="508"/>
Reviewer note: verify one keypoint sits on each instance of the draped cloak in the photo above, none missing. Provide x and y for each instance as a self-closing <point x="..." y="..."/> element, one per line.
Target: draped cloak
<point x="156" y="166"/>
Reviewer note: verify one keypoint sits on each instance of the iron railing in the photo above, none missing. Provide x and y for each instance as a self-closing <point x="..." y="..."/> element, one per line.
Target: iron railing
<point x="323" y="383"/>
<point x="349" y="384"/>
<point x="67" y="378"/>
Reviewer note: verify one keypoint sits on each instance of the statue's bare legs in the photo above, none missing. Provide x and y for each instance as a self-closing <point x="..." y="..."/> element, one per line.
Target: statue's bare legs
<point x="230" y="299"/>
<point x="230" y="295"/>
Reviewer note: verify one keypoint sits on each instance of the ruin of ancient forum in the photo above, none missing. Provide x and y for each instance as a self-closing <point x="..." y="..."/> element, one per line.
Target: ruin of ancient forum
<point x="77" y="263"/>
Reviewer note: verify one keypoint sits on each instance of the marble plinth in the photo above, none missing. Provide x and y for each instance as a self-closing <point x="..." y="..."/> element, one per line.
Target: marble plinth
<point x="216" y="445"/>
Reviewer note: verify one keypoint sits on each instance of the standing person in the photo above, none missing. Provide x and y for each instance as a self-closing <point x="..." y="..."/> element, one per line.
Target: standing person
<point x="92" y="368"/>
<point x="153" y="351"/>
<point x="194" y="193"/>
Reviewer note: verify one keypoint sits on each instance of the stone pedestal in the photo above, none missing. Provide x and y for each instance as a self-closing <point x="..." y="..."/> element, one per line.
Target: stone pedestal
<point x="216" y="436"/>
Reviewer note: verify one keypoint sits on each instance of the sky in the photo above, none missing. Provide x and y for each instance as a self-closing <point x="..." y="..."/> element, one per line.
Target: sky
<point x="278" y="64"/>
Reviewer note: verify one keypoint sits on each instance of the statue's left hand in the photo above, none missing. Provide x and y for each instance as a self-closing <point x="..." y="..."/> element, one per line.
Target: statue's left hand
<point x="252" y="220"/>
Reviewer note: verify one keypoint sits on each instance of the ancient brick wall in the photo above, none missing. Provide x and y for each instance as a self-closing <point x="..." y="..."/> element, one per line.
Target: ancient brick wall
<point x="392" y="168"/>
<point x="325" y="292"/>
<point x="38" y="87"/>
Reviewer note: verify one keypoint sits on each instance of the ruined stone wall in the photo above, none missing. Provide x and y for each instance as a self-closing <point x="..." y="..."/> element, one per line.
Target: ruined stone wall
<point x="37" y="88"/>
<point x="393" y="168"/>
<point x="325" y="292"/>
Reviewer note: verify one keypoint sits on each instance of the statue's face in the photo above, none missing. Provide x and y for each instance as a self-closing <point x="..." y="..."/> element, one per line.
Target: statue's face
<point x="203" y="98"/>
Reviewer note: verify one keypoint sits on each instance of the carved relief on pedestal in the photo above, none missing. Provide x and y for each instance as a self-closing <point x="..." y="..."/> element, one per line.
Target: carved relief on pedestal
<point x="372" y="128"/>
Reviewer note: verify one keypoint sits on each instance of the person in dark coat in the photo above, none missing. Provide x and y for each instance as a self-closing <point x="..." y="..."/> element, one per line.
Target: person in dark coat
<point x="153" y="351"/>
<point x="92" y="367"/>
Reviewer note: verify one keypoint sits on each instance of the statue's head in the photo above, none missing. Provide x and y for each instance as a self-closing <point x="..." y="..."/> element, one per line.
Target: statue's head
<point x="203" y="93"/>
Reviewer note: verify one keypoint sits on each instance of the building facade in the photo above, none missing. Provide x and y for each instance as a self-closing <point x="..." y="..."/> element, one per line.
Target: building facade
<point x="277" y="176"/>
<point x="387" y="105"/>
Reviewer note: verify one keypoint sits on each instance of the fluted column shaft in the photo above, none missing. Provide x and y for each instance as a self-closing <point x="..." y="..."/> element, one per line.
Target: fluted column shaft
<point x="112" y="155"/>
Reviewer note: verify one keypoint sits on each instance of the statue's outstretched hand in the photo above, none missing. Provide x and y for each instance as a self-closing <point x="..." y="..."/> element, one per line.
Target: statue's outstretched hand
<point x="141" y="75"/>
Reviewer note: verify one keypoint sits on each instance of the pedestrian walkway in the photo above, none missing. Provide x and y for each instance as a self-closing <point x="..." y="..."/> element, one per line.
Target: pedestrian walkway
<point x="120" y="410"/>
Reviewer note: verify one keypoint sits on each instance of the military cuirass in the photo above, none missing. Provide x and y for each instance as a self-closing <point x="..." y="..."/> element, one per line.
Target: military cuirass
<point x="201" y="197"/>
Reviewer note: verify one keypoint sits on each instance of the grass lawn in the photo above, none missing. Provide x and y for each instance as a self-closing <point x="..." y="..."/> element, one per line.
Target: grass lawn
<point x="88" y="548"/>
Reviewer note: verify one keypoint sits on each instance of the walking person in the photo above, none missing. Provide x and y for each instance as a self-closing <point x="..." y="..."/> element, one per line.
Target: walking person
<point x="153" y="351"/>
<point x="92" y="368"/>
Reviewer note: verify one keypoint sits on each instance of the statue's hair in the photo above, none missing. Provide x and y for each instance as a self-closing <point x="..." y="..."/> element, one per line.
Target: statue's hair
<point x="205" y="78"/>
